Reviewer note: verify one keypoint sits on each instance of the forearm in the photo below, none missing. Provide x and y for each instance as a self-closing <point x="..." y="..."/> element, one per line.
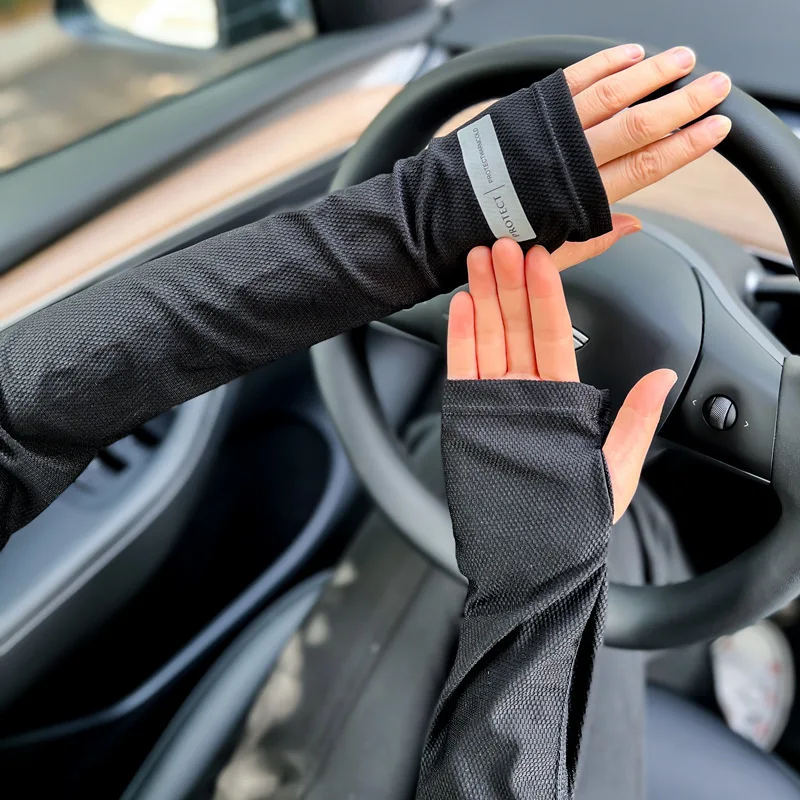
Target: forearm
<point x="87" y="370"/>
<point x="531" y="506"/>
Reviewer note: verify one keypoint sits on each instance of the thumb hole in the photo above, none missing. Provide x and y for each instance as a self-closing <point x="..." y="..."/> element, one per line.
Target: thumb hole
<point x="632" y="432"/>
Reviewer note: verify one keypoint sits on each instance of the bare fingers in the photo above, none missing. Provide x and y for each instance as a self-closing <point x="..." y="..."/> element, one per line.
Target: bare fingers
<point x="635" y="171"/>
<point x="610" y="95"/>
<point x="462" y="359"/>
<point x="635" y="146"/>
<point x="552" y="327"/>
<point x="643" y="124"/>
<point x="502" y="324"/>
<point x="509" y="270"/>
<point x="489" y="332"/>
<point x="582" y="75"/>
<point x="514" y="315"/>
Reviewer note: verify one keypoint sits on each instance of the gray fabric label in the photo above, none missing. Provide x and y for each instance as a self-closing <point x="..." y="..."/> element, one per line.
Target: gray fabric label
<point x="491" y="182"/>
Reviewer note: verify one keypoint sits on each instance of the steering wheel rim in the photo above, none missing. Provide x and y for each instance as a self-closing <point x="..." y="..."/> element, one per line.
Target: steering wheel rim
<point x="738" y="593"/>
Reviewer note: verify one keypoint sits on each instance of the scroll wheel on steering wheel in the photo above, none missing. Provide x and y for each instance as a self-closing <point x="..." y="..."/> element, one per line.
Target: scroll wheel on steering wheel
<point x="720" y="412"/>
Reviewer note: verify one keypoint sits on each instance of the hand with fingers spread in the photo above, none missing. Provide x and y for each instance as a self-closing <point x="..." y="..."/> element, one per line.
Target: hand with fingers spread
<point x="635" y="146"/>
<point x="514" y="324"/>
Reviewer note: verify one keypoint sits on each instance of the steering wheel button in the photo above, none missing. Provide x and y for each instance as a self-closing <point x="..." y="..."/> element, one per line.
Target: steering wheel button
<point x="720" y="412"/>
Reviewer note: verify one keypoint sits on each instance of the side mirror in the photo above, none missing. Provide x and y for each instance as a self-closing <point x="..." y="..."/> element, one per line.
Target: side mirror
<point x="190" y="24"/>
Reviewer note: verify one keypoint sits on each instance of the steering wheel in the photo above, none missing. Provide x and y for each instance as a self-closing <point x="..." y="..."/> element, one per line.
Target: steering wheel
<point x="653" y="301"/>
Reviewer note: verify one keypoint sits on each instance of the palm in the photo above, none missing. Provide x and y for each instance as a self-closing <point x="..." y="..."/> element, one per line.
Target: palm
<point x="514" y="324"/>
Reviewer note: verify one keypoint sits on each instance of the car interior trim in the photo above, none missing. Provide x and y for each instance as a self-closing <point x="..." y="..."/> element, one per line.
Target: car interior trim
<point x="54" y="569"/>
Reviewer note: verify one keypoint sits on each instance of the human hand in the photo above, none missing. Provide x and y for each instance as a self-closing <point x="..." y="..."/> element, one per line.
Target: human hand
<point x="636" y="147"/>
<point x="514" y="324"/>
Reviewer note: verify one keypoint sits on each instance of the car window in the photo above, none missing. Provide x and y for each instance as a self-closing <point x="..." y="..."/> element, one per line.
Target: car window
<point x="56" y="88"/>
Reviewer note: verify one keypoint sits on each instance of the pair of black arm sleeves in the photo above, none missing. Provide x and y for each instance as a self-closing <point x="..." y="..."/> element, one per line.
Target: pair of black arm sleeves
<point x="531" y="537"/>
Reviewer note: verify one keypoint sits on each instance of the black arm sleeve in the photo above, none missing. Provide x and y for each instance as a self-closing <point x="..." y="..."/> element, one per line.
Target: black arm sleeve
<point x="531" y="504"/>
<point x="87" y="370"/>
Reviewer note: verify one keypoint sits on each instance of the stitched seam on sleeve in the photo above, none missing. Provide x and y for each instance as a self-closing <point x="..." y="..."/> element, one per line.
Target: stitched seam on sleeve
<point x="541" y="107"/>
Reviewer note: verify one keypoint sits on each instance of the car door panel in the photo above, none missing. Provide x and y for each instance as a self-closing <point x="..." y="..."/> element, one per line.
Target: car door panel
<point x="72" y="567"/>
<point x="67" y="572"/>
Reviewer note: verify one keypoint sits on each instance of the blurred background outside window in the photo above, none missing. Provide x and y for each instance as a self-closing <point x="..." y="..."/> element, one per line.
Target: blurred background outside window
<point x="56" y="88"/>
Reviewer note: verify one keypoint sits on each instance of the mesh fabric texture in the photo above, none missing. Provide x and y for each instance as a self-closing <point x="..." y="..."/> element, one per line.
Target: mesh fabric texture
<point x="530" y="499"/>
<point x="89" y="369"/>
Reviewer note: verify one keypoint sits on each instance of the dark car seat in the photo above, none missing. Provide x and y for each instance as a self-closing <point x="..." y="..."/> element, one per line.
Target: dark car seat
<point x="343" y="712"/>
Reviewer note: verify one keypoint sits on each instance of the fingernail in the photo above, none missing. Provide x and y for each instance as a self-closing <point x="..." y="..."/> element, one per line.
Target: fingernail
<point x="634" y="51"/>
<point x="667" y="378"/>
<point x="684" y="57"/>
<point x="630" y="227"/>
<point x="720" y="83"/>
<point x="718" y="126"/>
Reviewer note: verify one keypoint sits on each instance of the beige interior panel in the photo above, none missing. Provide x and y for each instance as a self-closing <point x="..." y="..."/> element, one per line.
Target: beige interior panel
<point x="198" y="190"/>
<point x="709" y="191"/>
<point x="712" y="192"/>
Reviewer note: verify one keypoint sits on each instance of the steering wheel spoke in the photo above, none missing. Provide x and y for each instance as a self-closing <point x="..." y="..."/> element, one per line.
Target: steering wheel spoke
<point x="729" y="408"/>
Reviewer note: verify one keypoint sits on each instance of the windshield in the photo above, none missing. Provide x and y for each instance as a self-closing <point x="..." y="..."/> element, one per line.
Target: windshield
<point x="56" y="88"/>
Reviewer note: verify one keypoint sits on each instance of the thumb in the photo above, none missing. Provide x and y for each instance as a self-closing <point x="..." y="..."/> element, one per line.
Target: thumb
<point x="633" y="430"/>
<point x="572" y="253"/>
